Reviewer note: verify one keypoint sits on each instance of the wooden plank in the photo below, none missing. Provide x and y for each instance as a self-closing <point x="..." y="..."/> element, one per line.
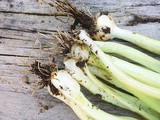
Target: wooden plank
<point x="21" y="106"/>
<point x="19" y="22"/>
<point x="31" y="6"/>
<point x="29" y="22"/>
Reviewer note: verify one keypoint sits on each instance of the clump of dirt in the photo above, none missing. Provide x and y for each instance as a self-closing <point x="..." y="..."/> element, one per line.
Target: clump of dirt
<point x="25" y="79"/>
<point x="137" y="19"/>
<point x="81" y="64"/>
<point x="11" y="5"/>
<point x="44" y="72"/>
<point x="44" y="107"/>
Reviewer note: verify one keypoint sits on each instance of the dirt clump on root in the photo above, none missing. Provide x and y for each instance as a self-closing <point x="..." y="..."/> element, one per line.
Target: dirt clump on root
<point x="44" y="72"/>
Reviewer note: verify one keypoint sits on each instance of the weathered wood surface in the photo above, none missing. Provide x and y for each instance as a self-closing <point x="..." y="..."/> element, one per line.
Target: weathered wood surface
<point x="19" y="21"/>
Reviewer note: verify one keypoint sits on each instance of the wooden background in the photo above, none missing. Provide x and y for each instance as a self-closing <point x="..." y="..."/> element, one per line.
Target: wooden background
<point x="20" y="43"/>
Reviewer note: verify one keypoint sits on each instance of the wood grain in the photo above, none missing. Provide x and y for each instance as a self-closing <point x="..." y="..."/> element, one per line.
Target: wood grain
<point x="19" y="47"/>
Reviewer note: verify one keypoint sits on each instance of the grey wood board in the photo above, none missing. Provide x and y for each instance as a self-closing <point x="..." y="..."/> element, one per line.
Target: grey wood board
<point x="19" y="21"/>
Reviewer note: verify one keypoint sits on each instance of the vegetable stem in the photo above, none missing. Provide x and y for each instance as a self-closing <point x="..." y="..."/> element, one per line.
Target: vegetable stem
<point x="72" y="105"/>
<point x="130" y="53"/>
<point x="139" y="73"/>
<point x="147" y="43"/>
<point x="152" y="102"/>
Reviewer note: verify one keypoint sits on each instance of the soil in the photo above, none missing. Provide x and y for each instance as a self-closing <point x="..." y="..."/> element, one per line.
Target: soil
<point x="43" y="71"/>
<point x="138" y="19"/>
<point x="81" y="64"/>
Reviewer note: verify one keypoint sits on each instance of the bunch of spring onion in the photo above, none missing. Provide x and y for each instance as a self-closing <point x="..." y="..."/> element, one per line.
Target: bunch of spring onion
<point x="142" y="80"/>
<point x="87" y="57"/>
<point x="139" y="81"/>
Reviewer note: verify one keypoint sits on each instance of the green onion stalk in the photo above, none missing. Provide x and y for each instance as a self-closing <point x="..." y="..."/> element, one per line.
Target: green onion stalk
<point x="137" y="72"/>
<point x="101" y="73"/>
<point x="70" y="89"/>
<point x="130" y="53"/>
<point x="111" y="95"/>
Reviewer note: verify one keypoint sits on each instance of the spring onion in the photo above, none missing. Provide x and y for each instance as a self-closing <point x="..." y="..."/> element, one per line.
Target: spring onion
<point x="108" y="30"/>
<point x="70" y="89"/>
<point x="71" y="104"/>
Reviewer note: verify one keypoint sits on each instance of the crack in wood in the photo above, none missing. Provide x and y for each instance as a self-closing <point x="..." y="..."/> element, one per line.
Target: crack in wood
<point x="44" y="31"/>
<point x="141" y="5"/>
<point x="14" y="91"/>
<point x="35" y="48"/>
<point x="10" y="64"/>
<point x="21" y="30"/>
<point x="37" y="14"/>
<point x="8" y="38"/>
<point x="15" y="55"/>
